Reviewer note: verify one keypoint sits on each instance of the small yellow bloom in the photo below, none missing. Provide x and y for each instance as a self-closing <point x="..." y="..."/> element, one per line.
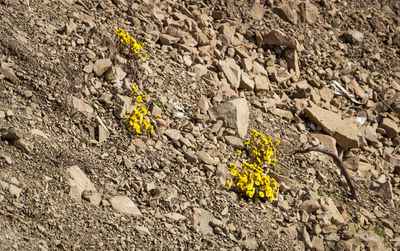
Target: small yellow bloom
<point x="261" y="194"/>
<point x="139" y="99"/>
<point x="239" y="152"/>
<point x="134" y="89"/>
<point x="159" y="116"/>
<point x="229" y="183"/>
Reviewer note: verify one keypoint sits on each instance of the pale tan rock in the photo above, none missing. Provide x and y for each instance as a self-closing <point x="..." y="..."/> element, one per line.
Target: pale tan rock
<point x="344" y="131"/>
<point x="293" y="61"/>
<point x="168" y="39"/>
<point x="246" y="82"/>
<point x="391" y="127"/>
<point x="79" y="182"/>
<point x="235" y="114"/>
<point x="287" y="13"/>
<point x="262" y="83"/>
<point x="332" y="211"/>
<point x="308" y="12"/>
<point x="232" y="71"/>
<point x="124" y="205"/>
<point x="257" y="11"/>
<point x="328" y="142"/>
<point x="101" y="66"/>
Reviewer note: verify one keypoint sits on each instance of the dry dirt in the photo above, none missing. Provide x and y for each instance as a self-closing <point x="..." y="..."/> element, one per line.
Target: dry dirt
<point x="66" y="156"/>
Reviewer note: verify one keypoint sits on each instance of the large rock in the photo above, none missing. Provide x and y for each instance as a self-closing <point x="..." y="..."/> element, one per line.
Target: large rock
<point x="235" y="114"/>
<point x="124" y="205"/>
<point x="328" y="142"/>
<point x="262" y="83"/>
<point x="79" y="182"/>
<point x="278" y="38"/>
<point x="232" y="71"/>
<point x="391" y="127"/>
<point x="101" y="66"/>
<point x="287" y="13"/>
<point x="332" y="211"/>
<point x="344" y="131"/>
<point x="308" y="12"/>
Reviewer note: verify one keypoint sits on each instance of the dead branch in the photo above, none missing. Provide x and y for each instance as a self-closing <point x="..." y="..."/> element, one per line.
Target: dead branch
<point x="338" y="162"/>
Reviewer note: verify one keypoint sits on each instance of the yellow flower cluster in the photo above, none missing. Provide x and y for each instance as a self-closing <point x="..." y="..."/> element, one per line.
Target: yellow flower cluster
<point x="126" y="40"/>
<point x="251" y="178"/>
<point x="137" y="122"/>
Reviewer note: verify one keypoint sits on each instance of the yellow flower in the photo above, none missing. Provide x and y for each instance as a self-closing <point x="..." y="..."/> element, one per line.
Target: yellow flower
<point x="159" y="116"/>
<point x="261" y="194"/>
<point x="139" y="99"/>
<point x="134" y="89"/>
<point x="278" y="142"/>
<point x="239" y="152"/>
<point x="229" y="183"/>
<point x="233" y="172"/>
<point x="137" y="127"/>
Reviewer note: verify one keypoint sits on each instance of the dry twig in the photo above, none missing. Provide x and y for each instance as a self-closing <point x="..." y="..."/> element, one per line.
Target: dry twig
<point x="338" y="162"/>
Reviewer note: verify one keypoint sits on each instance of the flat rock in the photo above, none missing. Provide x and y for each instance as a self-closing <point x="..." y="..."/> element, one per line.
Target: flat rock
<point x="332" y="211"/>
<point x="373" y="241"/>
<point x="278" y="38"/>
<point x="124" y="205"/>
<point x="353" y="36"/>
<point x="142" y="229"/>
<point x="79" y="182"/>
<point x="246" y="82"/>
<point x="257" y="11"/>
<point x="235" y="142"/>
<point x="344" y="131"/>
<point x="8" y="73"/>
<point x="205" y="218"/>
<point x="168" y="39"/>
<point x="287" y="13"/>
<point x="308" y="12"/>
<point x="101" y="66"/>
<point x="173" y="134"/>
<point x="81" y="106"/>
<point x="262" y="83"/>
<point x="391" y="127"/>
<point x="310" y="206"/>
<point x="175" y="216"/>
<point x="232" y="71"/>
<point x="235" y="114"/>
<point x="328" y="142"/>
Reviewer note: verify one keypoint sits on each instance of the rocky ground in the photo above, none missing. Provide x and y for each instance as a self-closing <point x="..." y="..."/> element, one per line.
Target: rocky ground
<point x="309" y="73"/>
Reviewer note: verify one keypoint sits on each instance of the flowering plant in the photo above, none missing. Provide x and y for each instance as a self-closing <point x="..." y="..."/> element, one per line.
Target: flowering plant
<point x="125" y="40"/>
<point x="136" y="121"/>
<point x="251" y="178"/>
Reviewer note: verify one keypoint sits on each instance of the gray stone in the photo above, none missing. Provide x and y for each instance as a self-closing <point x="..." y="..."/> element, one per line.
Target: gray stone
<point x="173" y="134"/>
<point x="391" y="127"/>
<point x="79" y="182"/>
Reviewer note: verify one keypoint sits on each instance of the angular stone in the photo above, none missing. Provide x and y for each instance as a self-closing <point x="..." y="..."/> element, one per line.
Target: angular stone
<point x="101" y="66"/>
<point x="175" y="216"/>
<point x="257" y="11"/>
<point x="232" y="71"/>
<point x="201" y="38"/>
<point x="205" y="158"/>
<point x="81" y="106"/>
<point x="370" y="134"/>
<point x="310" y="206"/>
<point x="344" y="131"/>
<point x="262" y="83"/>
<point x="373" y="241"/>
<point x="142" y="229"/>
<point x="166" y="39"/>
<point x="308" y="12"/>
<point x="173" y="134"/>
<point x="228" y="31"/>
<point x="293" y="60"/>
<point x="328" y="142"/>
<point x="235" y="142"/>
<point x="391" y="127"/>
<point x="287" y="13"/>
<point x="353" y="36"/>
<point x="278" y="38"/>
<point x="281" y="75"/>
<point x="246" y="82"/>
<point x="124" y="205"/>
<point x="318" y="244"/>
<point x="8" y="73"/>
<point x="306" y="238"/>
<point x="235" y="114"/>
<point x="332" y="211"/>
<point x="79" y="182"/>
